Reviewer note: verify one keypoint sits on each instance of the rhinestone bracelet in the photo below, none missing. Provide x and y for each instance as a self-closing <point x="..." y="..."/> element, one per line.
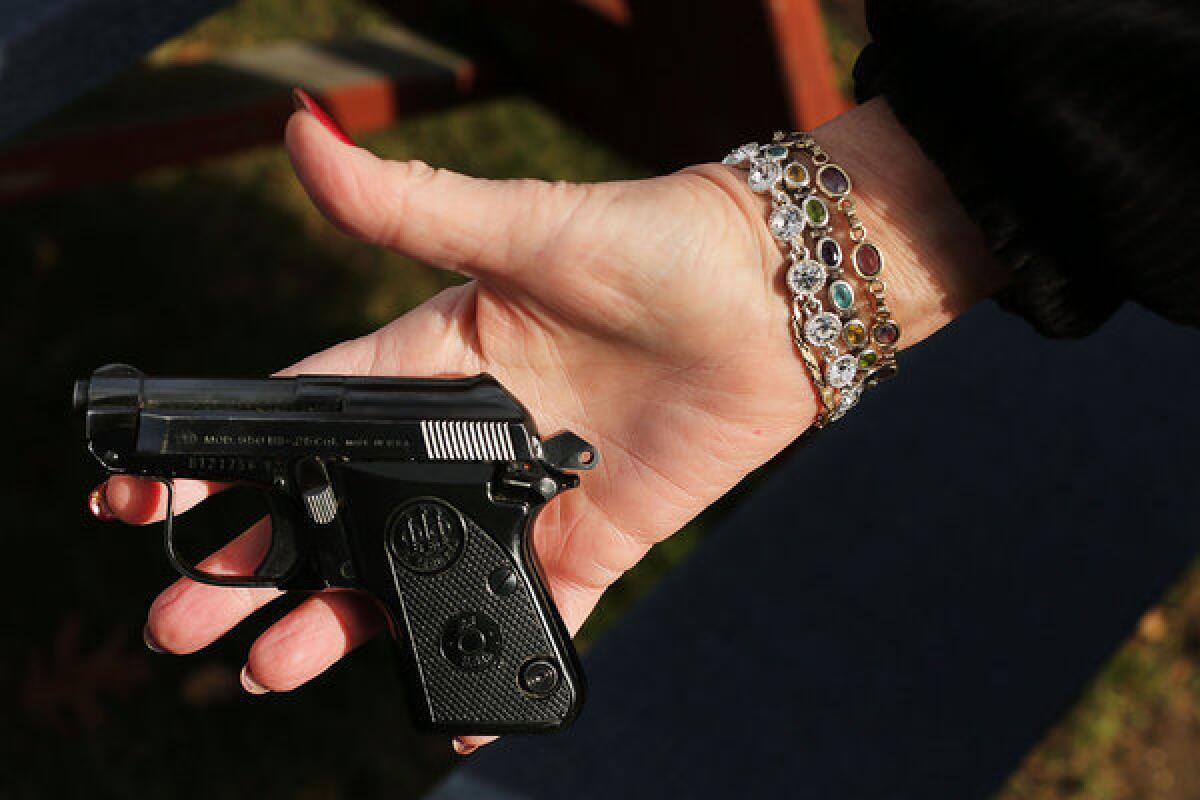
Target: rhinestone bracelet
<point x="844" y="355"/>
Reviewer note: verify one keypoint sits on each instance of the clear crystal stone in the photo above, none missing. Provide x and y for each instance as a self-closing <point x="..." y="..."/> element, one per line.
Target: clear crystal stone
<point x="764" y="175"/>
<point x="847" y="401"/>
<point x="823" y="329"/>
<point x="741" y="155"/>
<point x="805" y="277"/>
<point x="787" y="222"/>
<point x="841" y="371"/>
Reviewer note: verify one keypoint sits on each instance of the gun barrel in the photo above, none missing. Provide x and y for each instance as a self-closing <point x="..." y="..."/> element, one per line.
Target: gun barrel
<point x="79" y="397"/>
<point x="139" y="419"/>
<point x="476" y="397"/>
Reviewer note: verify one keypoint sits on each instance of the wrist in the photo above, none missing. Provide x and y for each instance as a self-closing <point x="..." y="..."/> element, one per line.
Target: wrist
<point x="938" y="264"/>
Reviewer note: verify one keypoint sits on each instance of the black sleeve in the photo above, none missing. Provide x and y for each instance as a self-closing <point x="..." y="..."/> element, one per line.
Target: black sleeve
<point x="1067" y="129"/>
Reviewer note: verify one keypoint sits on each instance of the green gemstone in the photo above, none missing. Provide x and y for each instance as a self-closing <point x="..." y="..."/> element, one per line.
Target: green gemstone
<point x="867" y="359"/>
<point x="816" y="211"/>
<point x="842" y="295"/>
<point x="775" y="152"/>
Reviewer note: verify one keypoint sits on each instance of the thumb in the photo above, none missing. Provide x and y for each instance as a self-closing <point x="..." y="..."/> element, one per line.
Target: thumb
<point x="483" y="228"/>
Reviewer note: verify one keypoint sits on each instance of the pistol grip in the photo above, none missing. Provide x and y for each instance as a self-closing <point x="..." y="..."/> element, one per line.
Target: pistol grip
<point x="481" y="645"/>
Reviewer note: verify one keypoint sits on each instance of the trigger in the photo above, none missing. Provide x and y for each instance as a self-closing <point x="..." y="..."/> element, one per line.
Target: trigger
<point x="283" y="556"/>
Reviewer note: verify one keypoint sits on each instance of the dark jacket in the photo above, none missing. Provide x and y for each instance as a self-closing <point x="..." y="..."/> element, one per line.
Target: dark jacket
<point x="1068" y="130"/>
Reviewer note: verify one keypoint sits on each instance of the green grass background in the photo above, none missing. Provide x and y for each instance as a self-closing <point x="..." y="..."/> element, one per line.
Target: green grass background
<point x="225" y="268"/>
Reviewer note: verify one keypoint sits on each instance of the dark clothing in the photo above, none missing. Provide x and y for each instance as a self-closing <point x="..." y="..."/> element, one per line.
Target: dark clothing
<point x="1067" y="128"/>
<point x="911" y="600"/>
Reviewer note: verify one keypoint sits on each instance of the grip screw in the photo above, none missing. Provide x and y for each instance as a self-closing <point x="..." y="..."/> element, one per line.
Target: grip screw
<point x="502" y="581"/>
<point x="538" y="677"/>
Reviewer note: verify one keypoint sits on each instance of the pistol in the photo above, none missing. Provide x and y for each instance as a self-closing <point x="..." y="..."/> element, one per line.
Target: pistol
<point x="420" y="491"/>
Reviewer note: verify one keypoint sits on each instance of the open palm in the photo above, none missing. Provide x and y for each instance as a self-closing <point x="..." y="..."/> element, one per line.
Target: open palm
<point x="647" y="316"/>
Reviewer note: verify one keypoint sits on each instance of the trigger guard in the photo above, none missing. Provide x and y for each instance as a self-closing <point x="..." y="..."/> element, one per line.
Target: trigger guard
<point x="283" y="547"/>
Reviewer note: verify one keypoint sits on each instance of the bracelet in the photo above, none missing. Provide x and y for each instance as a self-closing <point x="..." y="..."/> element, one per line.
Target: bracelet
<point x="844" y="355"/>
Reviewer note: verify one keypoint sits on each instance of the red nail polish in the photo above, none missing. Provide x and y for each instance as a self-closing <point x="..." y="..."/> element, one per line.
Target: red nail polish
<point x="98" y="503"/>
<point x="303" y="101"/>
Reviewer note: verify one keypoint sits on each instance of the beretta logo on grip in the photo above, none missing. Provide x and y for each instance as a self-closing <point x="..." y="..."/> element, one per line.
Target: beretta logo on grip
<point x="426" y="535"/>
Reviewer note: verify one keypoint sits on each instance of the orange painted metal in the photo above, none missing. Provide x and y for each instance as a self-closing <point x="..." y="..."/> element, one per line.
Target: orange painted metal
<point x="600" y="63"/>
<point x="111" y="150"/>
<point x="803" y="49"/>
<point x="617" y="11"/>
<point x="665" y="82"/>
<point x="41" y="167"/>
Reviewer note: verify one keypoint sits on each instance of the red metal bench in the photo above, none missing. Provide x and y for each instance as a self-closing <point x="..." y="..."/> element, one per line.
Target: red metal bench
<point x="667" y="82"/>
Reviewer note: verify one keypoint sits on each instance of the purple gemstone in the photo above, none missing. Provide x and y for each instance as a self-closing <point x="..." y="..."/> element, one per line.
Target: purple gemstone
<point x="833" y="180"/>
<point x="867" y="260"/>
<point x="830" y="252"/>
<point x="887" y="333"/>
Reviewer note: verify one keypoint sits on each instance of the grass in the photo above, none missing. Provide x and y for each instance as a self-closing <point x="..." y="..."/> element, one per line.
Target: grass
<point x="226" y="269"/>
<point x="1133" y="734"/>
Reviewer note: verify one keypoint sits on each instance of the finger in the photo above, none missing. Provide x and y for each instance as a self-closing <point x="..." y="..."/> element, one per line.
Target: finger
<point x="309" y="640"/>
<point x="465" y="745"/>
<point x="478" y="227"/>
<point x="139" y="501"/>
<point x="188" y="615"/>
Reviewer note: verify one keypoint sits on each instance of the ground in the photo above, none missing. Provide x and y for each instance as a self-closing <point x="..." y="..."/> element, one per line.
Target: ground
<point x="224" y="268"/>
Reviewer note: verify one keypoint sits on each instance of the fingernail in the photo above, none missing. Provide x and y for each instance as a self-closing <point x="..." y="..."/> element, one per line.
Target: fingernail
<point x="303" y="101"/>
<point x="151" y="643"/>
<point x="98" y="503"/>
<point x="249" y="684"/>
<point x="462" y="748"/>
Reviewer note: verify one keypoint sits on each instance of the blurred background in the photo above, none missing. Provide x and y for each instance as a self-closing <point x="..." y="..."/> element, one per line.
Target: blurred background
<point x="155" y="220"/>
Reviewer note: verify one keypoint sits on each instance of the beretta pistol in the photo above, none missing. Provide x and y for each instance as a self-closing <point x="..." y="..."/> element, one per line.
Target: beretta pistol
<point x="420" y="491"/>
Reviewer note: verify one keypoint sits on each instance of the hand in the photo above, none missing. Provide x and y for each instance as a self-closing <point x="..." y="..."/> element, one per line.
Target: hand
<point x="648" y="316"/>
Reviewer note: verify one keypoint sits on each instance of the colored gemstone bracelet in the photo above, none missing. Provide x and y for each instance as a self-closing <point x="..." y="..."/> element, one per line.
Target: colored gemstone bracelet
<point x="844" y="355"/>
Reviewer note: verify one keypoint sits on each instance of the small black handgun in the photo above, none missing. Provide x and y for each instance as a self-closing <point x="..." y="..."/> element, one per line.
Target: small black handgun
<point x="420" y="491"/>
